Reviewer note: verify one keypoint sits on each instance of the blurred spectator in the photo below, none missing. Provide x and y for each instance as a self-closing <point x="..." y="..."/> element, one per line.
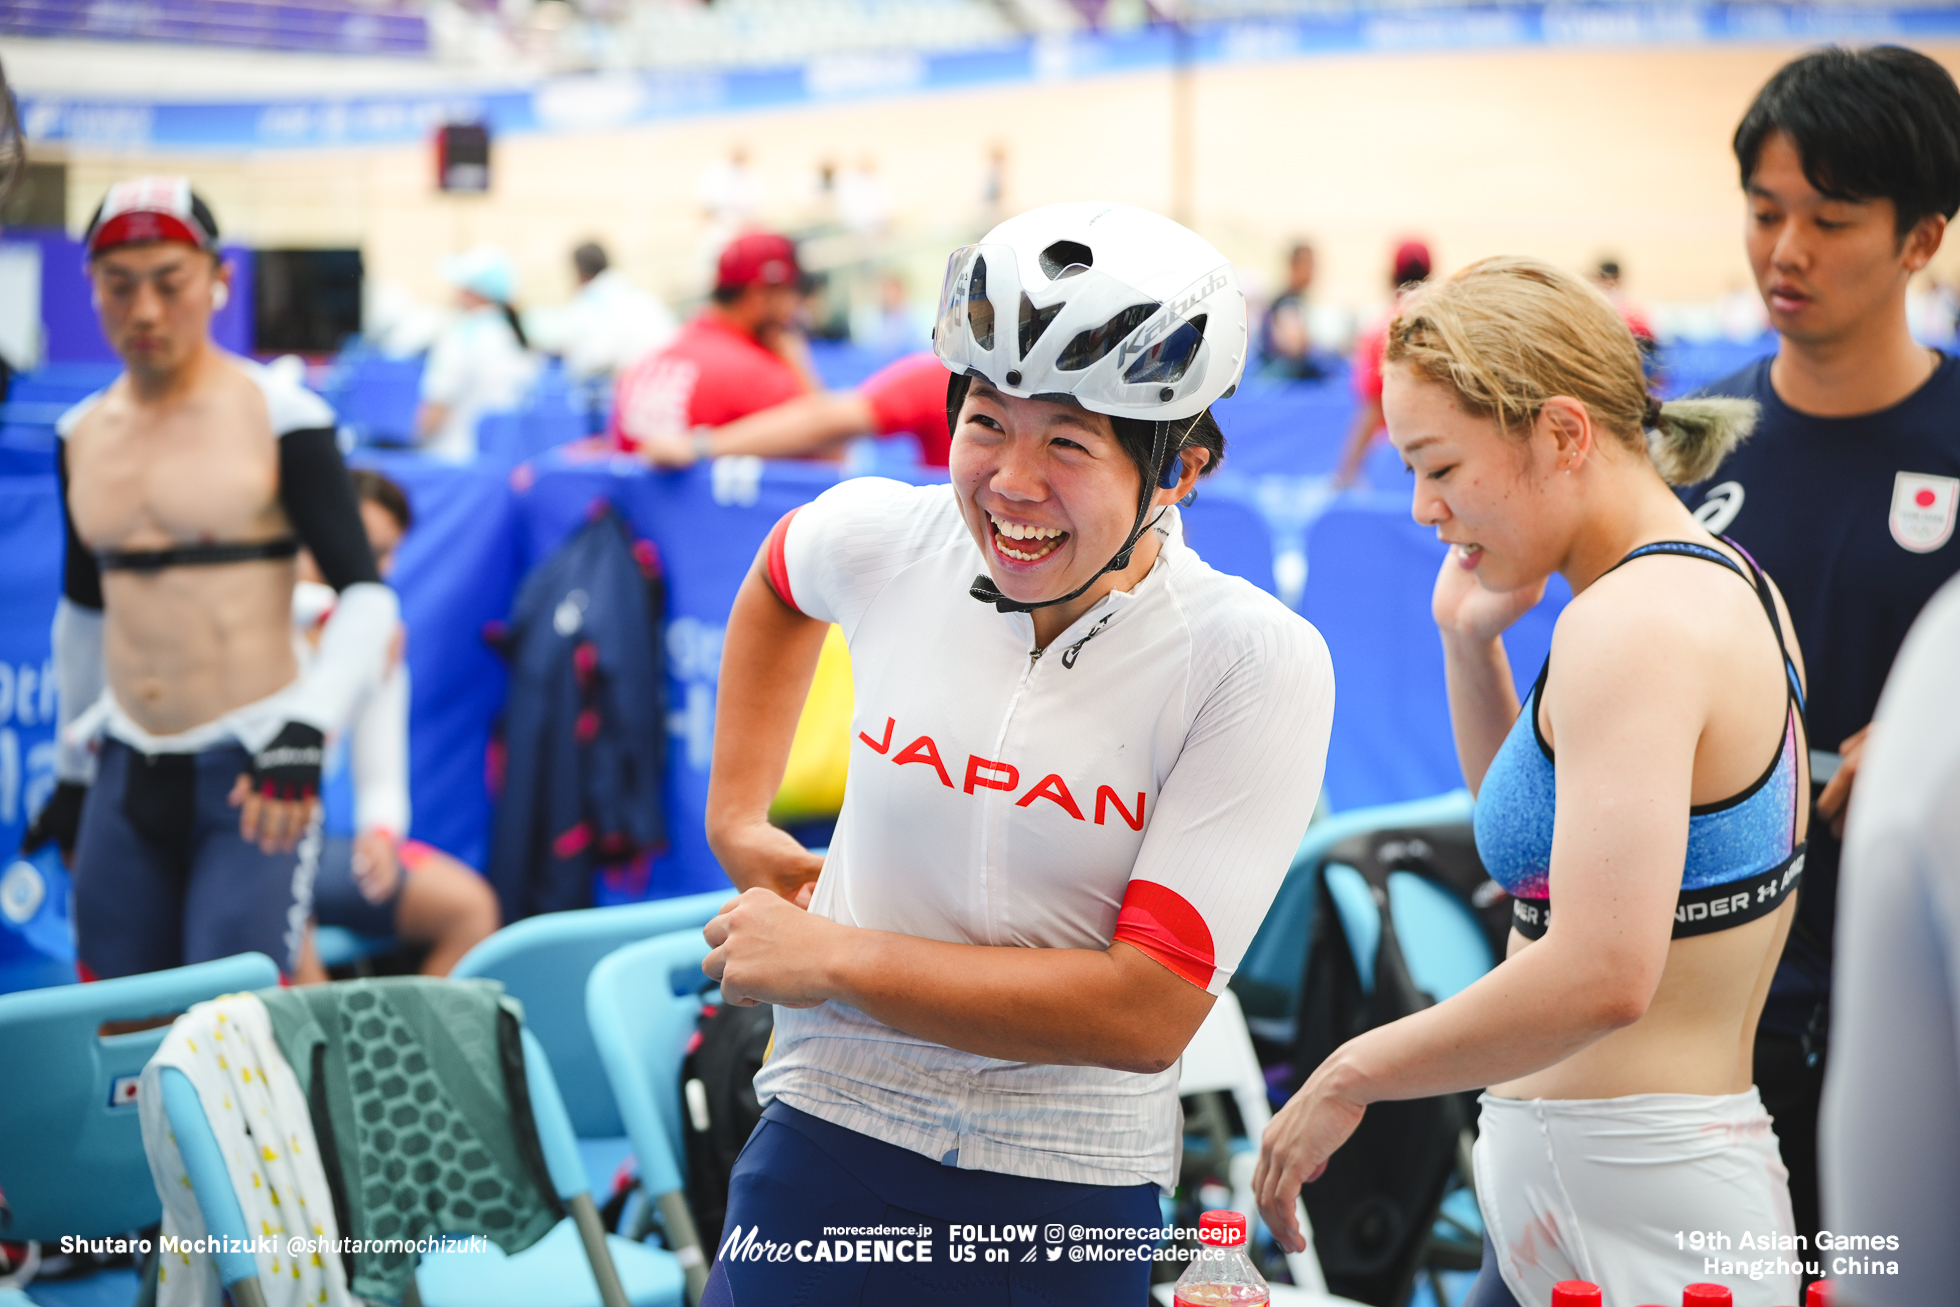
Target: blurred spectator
<point x="480" y="364"/>
<point x="1410" y="268"/>
<point x="1606" y="275"/>
<point x="1932" y="306"/>
<point x="371" y="879"/>
<point x="891" y="325"/>
<point x="1285" y="339"/>
<point x="909" y="395"/>
<point x="993" y="188"/>
<point x="731" y="195"/>
<point x="1741" y="311"/>
<point x="863" y="205"/>
<point x="609" y="323"/>
<point x="744" y="352"/>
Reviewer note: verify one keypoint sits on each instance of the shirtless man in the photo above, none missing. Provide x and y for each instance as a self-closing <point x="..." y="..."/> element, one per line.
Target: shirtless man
<point x="189" y="485"/>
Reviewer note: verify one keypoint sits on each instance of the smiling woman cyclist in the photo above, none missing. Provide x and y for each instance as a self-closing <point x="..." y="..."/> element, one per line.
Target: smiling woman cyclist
<point x="1070" y="802"/>
<point x="1651" y="789"/>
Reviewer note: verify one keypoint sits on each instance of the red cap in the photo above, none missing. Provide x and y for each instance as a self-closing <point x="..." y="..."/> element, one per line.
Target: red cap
<point x="147" y="209"/>
<point x="1411" y="262"/>
<point x="757" y="259"/>
<point x="1576" y="1293"/>
<point x="1707" y="1295"/>
<point x="1222" y="1229"/>
<point x="1819" y="1294"/>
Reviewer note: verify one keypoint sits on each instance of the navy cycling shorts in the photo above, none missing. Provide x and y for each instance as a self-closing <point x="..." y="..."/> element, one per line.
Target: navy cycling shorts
<point x="162" y="876"/>
<point x="818" y="1213"/>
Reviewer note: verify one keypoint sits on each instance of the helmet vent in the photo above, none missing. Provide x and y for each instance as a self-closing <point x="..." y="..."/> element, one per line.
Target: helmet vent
<point x="1034" y="321"/>
<point x="1065" y="259"/>
<point x="1090" y="345"/>
<point x="979" y="309"/>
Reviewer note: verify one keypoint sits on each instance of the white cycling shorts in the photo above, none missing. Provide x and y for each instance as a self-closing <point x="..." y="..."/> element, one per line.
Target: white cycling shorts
<point x="1641" y="1195"/>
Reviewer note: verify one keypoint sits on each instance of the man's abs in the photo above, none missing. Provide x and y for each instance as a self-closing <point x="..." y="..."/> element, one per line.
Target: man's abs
<point x="187" y="645"/>
<point x="186" y="640"/>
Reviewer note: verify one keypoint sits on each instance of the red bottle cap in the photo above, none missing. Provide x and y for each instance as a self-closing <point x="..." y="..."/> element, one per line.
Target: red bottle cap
<point x="1576" y="1293"/>
<point x="1222" y="1229"/>
<point x="1819" y="1294"/>
<point x="1707" y="1295"/>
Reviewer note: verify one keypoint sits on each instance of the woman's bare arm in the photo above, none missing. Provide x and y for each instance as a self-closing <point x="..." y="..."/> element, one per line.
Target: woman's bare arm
<point x="768" y="659"/>
<point x="1056" y="1006"/>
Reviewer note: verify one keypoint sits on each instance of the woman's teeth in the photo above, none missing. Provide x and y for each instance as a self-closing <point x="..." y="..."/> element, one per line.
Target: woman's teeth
<point x="1042" y="539"/>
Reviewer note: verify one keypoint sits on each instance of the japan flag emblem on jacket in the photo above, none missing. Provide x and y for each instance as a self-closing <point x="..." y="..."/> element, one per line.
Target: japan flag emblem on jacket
<point x="1923" y="510"/>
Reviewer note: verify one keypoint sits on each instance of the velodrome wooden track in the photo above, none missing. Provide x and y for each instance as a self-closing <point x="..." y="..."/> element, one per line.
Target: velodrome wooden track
<point x="1562" y="153"/>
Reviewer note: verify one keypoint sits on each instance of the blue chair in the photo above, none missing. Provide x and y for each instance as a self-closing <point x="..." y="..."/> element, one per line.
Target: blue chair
<point x="622" y="1273"/>
<point x="642" y="1003"/>
<point x="376" y="397"/>
<point x="543" y="962"/>
<point x="71" y="1146"/>
<point x="339" y="947"/>
<point x="1268" y="978"/>
<point x="1232" y="537"/>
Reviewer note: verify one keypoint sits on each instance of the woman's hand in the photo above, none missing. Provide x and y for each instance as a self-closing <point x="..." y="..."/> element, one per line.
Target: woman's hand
<point x="767" y="950"/>
<point x="376" y="868"/>
<point x="1463" y="607"/>
<point x="1296" y="1147"/>
<point x="757" y="855"/>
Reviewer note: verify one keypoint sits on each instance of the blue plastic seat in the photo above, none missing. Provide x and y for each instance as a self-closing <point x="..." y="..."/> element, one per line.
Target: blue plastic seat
<point x="617" y="1272"/>
<point x="543" y="962"/>
<point x="642" y="1003"/>
<point x="339" y="947"/>
<point x="1232" y="537"/>
<point x="1268" y="978"/>
<point x="71" y="1146"/>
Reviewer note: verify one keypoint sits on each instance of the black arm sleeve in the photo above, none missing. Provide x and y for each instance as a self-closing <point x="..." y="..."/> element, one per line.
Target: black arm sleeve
<point x="81" y="579"/>
<point x="319" y="500"/>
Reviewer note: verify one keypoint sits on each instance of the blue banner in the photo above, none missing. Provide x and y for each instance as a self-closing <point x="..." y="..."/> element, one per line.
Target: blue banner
<point x="610" y="100"/>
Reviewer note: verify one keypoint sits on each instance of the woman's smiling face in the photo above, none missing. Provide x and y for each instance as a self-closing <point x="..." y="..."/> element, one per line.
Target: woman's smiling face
<point x="1048" y="491"/>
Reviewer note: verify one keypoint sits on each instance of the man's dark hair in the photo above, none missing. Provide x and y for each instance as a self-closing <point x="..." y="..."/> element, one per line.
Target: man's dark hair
<point x="373" y="488"/>
<point x="590" y="260"/>
<point x="1877" y="124"/>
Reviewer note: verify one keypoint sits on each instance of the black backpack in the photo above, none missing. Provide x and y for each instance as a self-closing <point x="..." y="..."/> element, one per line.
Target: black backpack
<point x="718" y="1105"/>
<point x="1375" y="1206"/>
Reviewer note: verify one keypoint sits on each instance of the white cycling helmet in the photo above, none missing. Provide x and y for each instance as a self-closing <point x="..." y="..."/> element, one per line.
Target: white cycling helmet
<point x="1112" y="307"/>
<point x="1120" y="309"/>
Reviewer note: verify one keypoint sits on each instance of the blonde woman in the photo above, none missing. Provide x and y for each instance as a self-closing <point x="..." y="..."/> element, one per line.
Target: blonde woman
<point x="1651" y="787"/>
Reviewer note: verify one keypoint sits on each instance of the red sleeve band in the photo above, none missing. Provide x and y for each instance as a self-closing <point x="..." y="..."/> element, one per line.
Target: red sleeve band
<point x="1160" y="922"/>
<point x="779" y="560"/>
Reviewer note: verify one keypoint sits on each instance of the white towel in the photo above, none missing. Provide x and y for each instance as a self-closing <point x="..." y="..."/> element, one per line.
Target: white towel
<point x="259" y="1118"/>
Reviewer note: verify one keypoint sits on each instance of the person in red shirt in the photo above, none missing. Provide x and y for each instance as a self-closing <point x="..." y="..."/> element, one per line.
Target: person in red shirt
<point x="1412" y="267"/>
<point x="743" y="353"/>
<point x="908" y="395"/>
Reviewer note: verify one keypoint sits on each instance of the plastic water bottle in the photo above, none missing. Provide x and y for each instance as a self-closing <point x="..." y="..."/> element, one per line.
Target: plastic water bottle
<point x="1707" y="1295"/>
<point x="1222" y="1274"/>
<point x="1576" y="1293"/>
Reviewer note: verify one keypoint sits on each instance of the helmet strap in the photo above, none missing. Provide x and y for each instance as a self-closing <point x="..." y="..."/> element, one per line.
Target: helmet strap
<point x="984" y="589"/>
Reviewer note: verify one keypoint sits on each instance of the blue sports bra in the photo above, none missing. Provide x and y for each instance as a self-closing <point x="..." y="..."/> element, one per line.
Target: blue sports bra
<point x="1743" y="856"/>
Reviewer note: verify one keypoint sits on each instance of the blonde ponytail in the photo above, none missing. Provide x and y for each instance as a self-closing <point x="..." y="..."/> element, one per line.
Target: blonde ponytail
<point x="1507" y="334"/>
<point x="1693" y="436"/>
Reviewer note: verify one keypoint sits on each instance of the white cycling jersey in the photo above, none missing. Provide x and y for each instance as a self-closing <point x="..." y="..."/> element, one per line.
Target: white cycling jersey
<point x="1146" y="778"/>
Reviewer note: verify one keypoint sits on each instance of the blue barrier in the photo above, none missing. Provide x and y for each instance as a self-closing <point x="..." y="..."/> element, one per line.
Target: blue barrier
<point x="707" y="524"/>
<point x="456" y="572"/>
<point x="1368" y="593"/>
